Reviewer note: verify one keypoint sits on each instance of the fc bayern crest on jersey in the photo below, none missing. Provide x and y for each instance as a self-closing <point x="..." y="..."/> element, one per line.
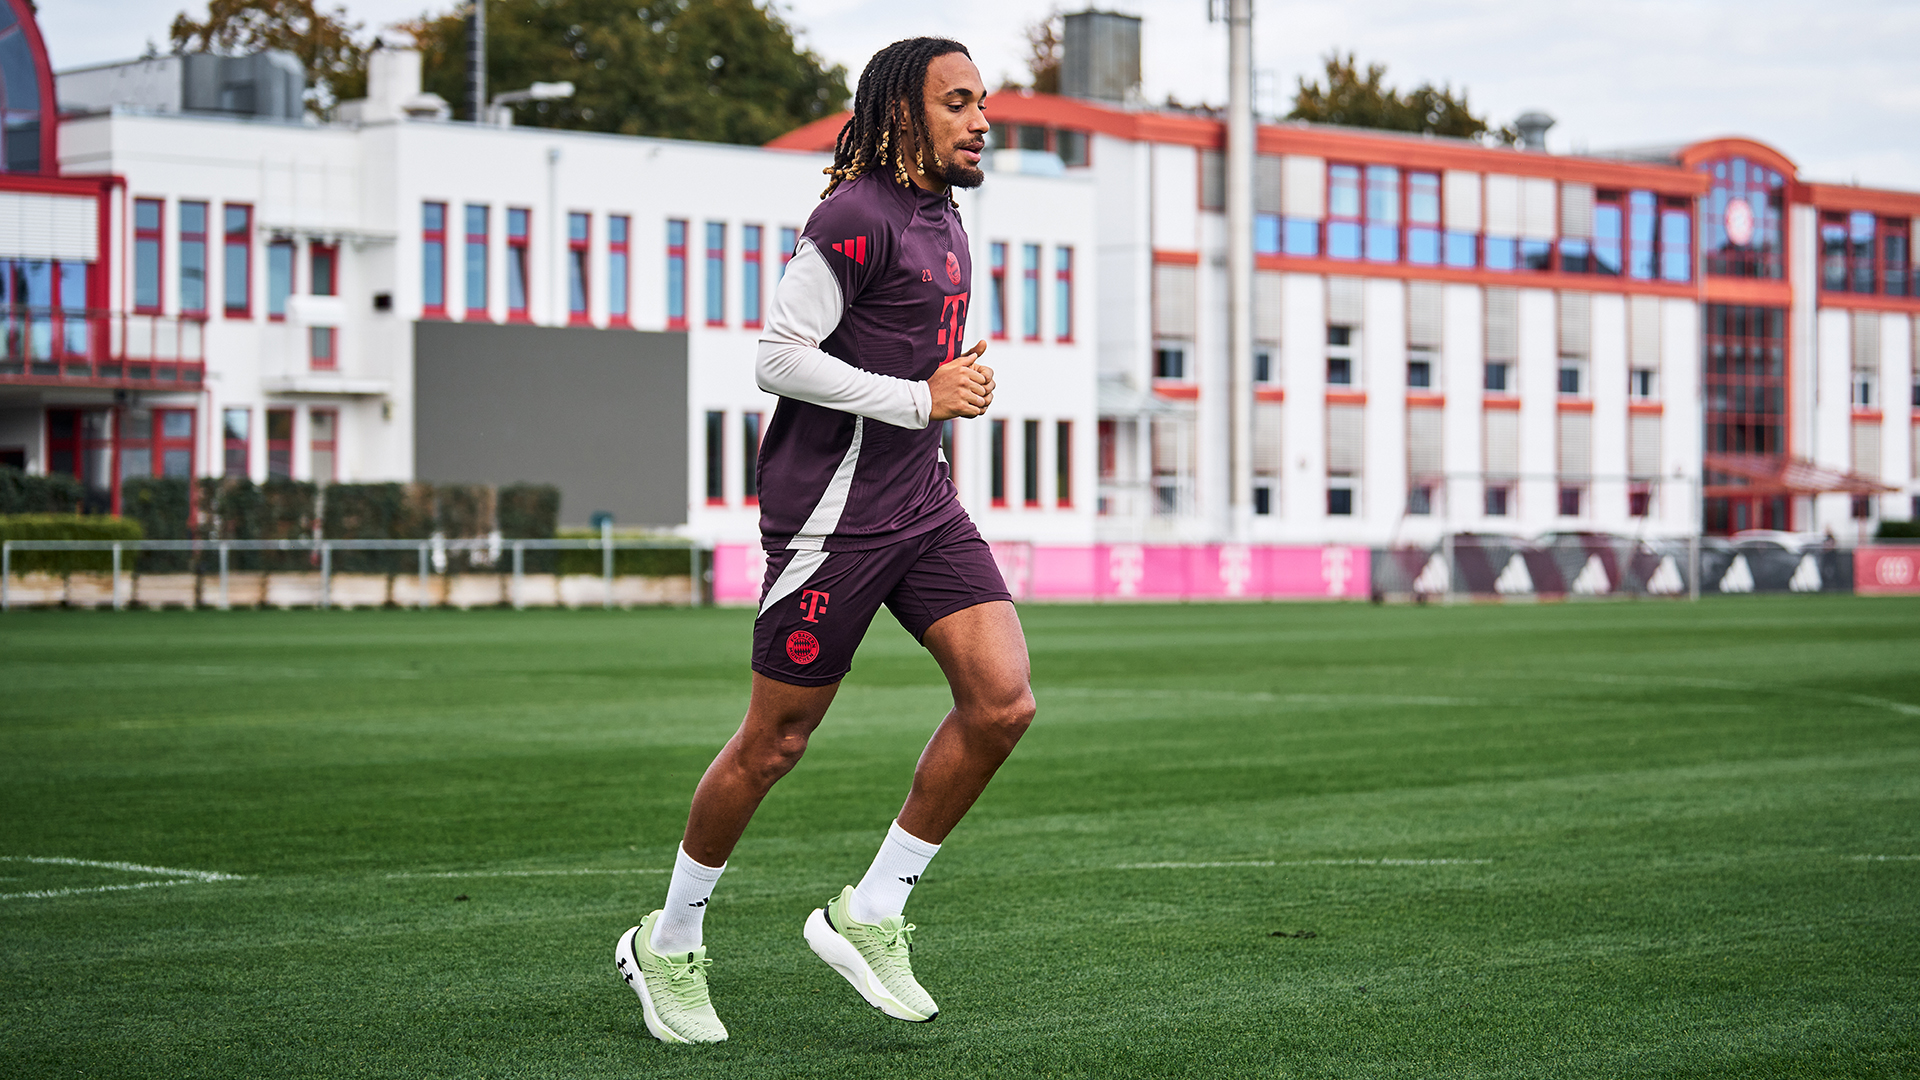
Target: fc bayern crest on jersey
<point x="802" y="647"/>
<point x="953" y="268"/>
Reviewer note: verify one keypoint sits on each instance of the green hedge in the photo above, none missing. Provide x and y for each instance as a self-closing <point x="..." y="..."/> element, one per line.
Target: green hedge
<point x="529" y="511"/>
<point x="67" y="527"/>
<point x="163" y="507"/>
<point x="22" y="493"/>
<point x="1899" y="530"/>
<point x="643" y="562"/>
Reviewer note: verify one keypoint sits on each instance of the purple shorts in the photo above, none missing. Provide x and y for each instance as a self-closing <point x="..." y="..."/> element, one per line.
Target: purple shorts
<point x="822" y="601"/>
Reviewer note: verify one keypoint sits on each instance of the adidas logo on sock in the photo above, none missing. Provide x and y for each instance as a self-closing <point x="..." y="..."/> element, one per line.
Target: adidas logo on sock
<point x="914" y="880"/>
<point x="700" y="903"/>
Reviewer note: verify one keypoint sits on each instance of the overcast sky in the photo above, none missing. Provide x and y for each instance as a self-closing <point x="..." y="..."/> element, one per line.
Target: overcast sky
<point x="1835" y="84"/>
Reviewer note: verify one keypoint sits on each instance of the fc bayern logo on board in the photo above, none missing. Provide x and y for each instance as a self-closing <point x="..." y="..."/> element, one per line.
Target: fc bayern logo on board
<point x="953" y="268"/>
<point x="802" y="647"/>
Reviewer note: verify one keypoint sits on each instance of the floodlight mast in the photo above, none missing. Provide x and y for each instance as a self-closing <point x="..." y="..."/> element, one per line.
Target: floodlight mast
<point x="501" y="114"/>
<point x="1240" y="267"/>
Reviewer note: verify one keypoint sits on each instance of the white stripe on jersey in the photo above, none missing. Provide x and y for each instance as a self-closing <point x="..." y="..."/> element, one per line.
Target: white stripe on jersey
<point x="812" y="537"/>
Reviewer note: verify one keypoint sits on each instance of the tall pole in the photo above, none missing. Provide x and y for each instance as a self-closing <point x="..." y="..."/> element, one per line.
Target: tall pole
<point x="477" y="62"/>
<point x="1240" y="264"/>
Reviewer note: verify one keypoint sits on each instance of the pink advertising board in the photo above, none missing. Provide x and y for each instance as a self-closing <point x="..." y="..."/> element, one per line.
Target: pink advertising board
<point x="1128" y="572"/>
<point x="1886" y="571"/>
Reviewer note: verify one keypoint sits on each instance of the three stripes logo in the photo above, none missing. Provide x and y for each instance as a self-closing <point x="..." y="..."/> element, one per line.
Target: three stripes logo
<point x="855" y="249"/>
<point x="912" y="879"/>
<point x="700" y="903"/>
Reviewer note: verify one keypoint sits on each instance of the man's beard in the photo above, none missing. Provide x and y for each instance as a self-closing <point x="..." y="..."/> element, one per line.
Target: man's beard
<point x="951" y="172"/>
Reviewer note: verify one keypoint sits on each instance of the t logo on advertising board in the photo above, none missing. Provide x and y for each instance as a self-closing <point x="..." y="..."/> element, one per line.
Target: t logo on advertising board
<point x="1336" y="566"/>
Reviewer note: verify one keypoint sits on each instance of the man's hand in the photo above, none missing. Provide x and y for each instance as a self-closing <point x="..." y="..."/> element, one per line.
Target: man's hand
<point x="962" y="387"/>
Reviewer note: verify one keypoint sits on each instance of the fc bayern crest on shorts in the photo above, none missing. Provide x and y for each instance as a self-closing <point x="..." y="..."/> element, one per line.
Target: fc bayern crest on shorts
<point x="953" y="268"/>
<point x="802" y="647"/>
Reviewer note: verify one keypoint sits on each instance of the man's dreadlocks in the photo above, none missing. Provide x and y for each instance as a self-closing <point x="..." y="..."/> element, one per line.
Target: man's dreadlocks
<point x="878" y="128"/>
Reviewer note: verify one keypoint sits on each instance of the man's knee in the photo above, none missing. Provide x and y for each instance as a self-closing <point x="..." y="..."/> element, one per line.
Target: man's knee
<point x="1005" y="715"/>
<point x="768" y="759"/>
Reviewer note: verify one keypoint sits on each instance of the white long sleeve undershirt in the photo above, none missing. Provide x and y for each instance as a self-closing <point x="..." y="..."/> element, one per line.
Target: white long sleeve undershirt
<point x="807" y="306"/>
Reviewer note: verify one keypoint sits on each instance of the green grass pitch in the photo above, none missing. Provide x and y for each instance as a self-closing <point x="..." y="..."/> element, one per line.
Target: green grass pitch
<point x="1576" y="840"/>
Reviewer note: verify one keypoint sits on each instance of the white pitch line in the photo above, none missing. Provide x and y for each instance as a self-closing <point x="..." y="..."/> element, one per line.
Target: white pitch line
<point x="1302" y="862"/>
<point x="522" y="873"/>
<point x="1883" y="858"/>
<point x="182" y="877"/>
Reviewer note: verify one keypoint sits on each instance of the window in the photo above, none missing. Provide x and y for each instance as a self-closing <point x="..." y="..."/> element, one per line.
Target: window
<point x="237" y="265"/>
<point x="323" y="427"/>
<point x="1420" y="500"/>
<point x="1063" y="292"/>
<point x="676" y="275"/>
<point x="1496" y="500"/>
<point x="997" y="463"/>
<point x="236" y="424"/>
<point x="193" y="258"/>
<point x="579" y="239"/>
<point x="1462" y="250"/>
<point x="1213" y="180"/>
<point x="997" y="309"/>
<point x="1339" y="356"/>
<point x="1606" y="233"/>
<point x="1063" y="463"/>
<point x="1423" y="218"/>
<point x="1641" y="383"/>
<point x="433" y="258"/>
<point x="716" y="273"/>
<point x="1339" y="500"/>
<point x="750" y="457"/>
<point x="1420" y="370"/>
<point x="1502" y="252"/>
<point x="1030" y="462"/>
<point x="1640" y="226"/>
<point x="1343" y="211"/>
<point x="279" y="277"/>
<point x="617" y="225"/>
<point x="1263" y="365"/>
<point x="1676" y="240"/>
<point x="1300" y="236"/>
<point x="147" y="232"/>
<point x="1862" y="394"/>
<point x="1895" y="257"/>
<point x="750" y="275"/>
<point x="1072" y="147"/>
<point x="1263" y="500"/>
<point x="789" y="243"/>
<point x="716" y="458"/>
<point x="1572" y="376"/>
<point x="1833" y="251"/>
<point x="1639" y="500"/>
<point x="1030" y="291"/>
<point x="1383" y="213"/>
<point x="1497" y="380"/>
<point x="1741" y="229"/>
<point x="517" y="234"/>
<point x="323" y="261"/>
<point x="476" y="262"/>
<point x="279" y="444"/>
<point x="1570" y="500"/>
<point x="320" y="352"/>
<point x="1745" y="380"/>
<point x="1169" y="362"/>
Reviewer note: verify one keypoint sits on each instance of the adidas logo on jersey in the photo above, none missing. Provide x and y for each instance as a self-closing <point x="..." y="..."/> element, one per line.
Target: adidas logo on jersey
<point x="855" y="249"/>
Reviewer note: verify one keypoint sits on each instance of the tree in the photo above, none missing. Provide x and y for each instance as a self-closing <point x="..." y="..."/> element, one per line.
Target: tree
<point x="336" y="65"/>
<point x="718" y="70"/>
<point x="1364" y="100"/>
<point x="1044" y="49"/>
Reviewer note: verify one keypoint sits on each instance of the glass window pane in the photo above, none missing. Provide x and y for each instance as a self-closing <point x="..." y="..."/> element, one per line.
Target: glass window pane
<point x="577" y="228"/>
<point x="176" y="424"/>
<point x="1383" y="194"/>
<point x="1343" y="190"/>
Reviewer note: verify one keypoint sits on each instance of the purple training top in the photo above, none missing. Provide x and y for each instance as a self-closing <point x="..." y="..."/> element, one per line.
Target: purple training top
<point x="837" y="480"/>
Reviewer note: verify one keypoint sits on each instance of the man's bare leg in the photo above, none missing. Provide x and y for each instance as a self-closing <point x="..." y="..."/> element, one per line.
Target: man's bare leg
<point x="984" y="655"/>
<point x="769" y="743"/>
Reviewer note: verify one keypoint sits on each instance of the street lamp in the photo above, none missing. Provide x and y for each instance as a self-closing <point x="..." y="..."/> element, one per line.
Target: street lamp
<point x="501" y="114"/>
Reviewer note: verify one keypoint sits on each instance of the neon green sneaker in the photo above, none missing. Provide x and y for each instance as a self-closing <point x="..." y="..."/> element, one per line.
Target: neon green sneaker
<point x="672" y="989"/>
<point x="872" y="958"/>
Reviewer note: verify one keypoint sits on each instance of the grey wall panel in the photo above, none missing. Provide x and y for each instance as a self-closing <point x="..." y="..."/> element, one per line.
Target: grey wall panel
<point x="602" y="414"/>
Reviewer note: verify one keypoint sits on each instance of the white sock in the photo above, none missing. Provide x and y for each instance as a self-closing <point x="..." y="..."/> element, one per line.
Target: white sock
<point x="903" y="858"/>
<point x="683" y="915"/>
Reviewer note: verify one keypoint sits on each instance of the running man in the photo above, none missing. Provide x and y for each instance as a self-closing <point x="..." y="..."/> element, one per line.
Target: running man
<point x="857" y="509"/>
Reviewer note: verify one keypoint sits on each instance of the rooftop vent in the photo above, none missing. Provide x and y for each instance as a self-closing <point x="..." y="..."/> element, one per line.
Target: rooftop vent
<point x="1100" y="56"/>
<point x="1533" y="130"/>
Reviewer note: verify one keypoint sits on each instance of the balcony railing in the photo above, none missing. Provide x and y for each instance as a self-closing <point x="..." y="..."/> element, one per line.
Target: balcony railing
<point x="71" y="347"/>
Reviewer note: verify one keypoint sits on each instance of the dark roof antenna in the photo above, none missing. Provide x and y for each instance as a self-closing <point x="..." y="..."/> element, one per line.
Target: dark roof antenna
<point x="1533" y="130"/>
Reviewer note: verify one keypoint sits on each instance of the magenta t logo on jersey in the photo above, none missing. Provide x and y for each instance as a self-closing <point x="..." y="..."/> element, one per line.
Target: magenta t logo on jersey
<point x="953" y="268"/>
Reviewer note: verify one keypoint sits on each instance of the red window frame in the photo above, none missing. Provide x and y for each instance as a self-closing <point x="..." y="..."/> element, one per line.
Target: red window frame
<point x="1030" y="464"/>
<point x="323" y="269"/>
<point x="620" y="282"/>
<point x="323" y="348"/>
<point x="1063" y="294"/>
<point x="329" y="446"/>
<point x="997" y="267"/>
<point x="716" y="457"/>
<point x="1030" y="290"/>
<point x="518" y="263"/>
<point x="751" y="428"/>
<point x="1063" y="464"/>
<point x="471" y="239"/>
<point x="716" y="305"/>
<point x="278" y="247"/>
<point x="579" y="266"/>
<point x="429" y="240"/>
<point x="751" y="282"/>
<point x="676" y="274"/>
<point x="997" y="464"/>
<point x="189" y="241"/>
<point x="789" y="243"/>
<point x="237" y="448"/>
<point x="240" y="239"/>
<point x="280" y="448"/>
<point x="155" y="235"/>
<point x="157" y="443"/>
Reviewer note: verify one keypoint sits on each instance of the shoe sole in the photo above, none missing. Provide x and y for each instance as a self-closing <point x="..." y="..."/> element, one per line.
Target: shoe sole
<point x="628" y="966"/>
<point x="842" y="957"/>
